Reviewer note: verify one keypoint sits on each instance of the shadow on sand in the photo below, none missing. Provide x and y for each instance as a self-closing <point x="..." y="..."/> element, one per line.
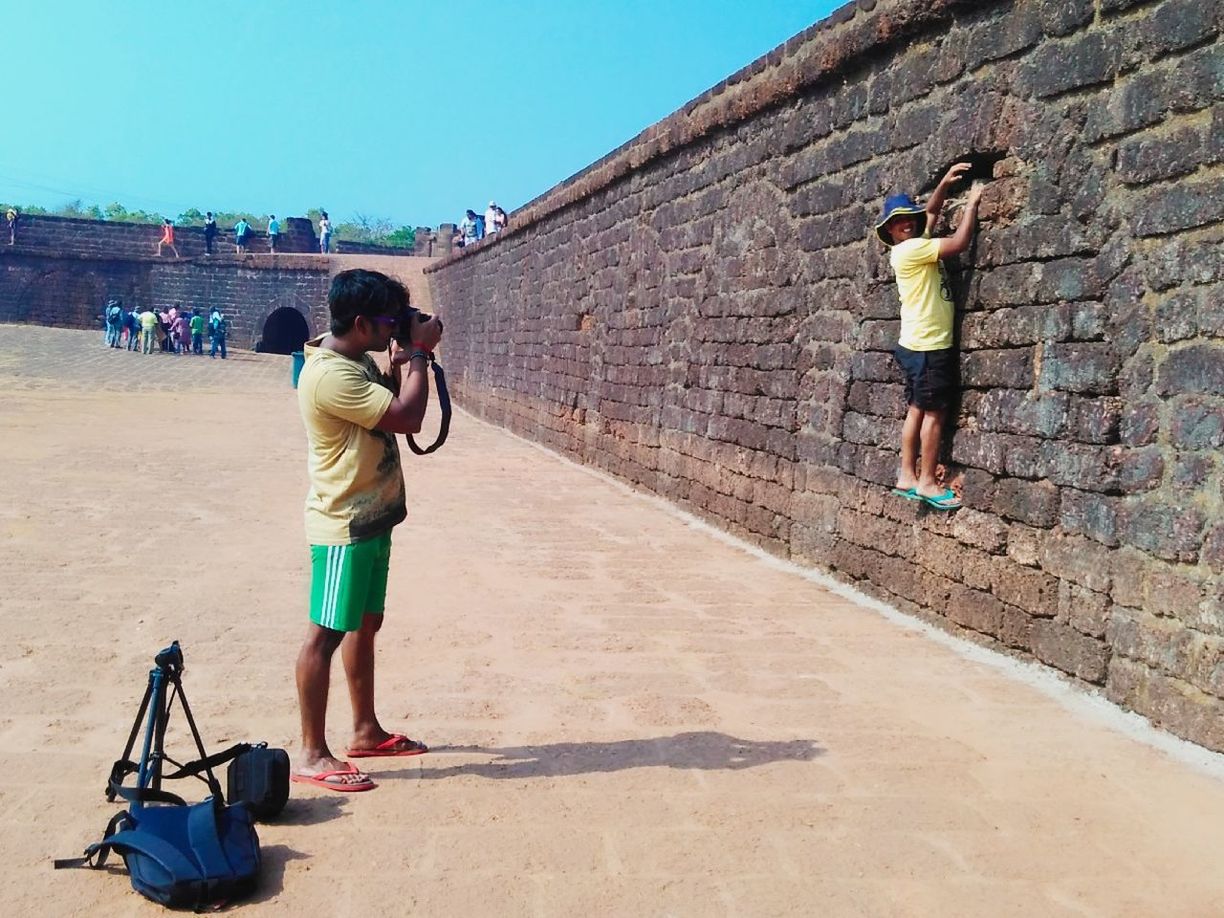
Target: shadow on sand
<point x="706" y="751"/>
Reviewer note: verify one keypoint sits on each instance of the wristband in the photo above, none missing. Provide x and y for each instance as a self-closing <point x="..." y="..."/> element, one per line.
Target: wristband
<point x="420" y="352"/>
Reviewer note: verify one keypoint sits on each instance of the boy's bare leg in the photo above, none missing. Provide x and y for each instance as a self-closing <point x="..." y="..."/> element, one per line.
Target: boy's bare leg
<point x="907" y="475"/>
<point x="931" y="440"/>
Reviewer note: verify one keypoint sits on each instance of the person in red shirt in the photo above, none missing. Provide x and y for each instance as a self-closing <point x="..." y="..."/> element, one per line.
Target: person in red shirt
<point x="167" y="239"/>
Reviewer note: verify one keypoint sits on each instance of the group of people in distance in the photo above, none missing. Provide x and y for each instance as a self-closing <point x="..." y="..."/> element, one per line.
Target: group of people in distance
<point x="242" y="234"/>
<point x="474" y="227"/>
<point x="170" y="331"/>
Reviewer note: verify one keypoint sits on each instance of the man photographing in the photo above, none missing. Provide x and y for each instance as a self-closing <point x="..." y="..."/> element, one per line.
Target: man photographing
<point x="352" y="412"/>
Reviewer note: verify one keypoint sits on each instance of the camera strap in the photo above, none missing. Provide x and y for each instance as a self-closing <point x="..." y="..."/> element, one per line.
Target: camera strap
<point x="444" y="403"/>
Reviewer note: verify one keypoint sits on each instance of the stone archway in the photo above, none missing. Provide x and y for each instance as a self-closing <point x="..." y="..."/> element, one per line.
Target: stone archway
<point x="284" y="331"/>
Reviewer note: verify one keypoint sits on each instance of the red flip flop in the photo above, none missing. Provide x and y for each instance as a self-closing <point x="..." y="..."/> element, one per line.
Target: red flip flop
<point x="320" y="780"/>
<point x="388" y="748"/>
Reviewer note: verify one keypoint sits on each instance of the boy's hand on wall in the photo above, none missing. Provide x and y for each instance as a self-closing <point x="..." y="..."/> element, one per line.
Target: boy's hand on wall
<point x="955" y="173"/>
<point x="975" y="193"/>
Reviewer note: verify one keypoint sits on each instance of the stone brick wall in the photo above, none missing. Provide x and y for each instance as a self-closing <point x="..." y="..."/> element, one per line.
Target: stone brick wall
<point x="705" y="313"/>
<point x="64" y="280"/>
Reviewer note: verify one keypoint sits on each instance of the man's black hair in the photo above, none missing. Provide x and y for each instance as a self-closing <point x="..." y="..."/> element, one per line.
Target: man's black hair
<point x="358" y="292"/>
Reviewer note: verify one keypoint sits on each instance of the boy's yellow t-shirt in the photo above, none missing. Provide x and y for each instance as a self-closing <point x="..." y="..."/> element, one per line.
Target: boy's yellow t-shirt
<point x="356" y="485"/>
<point x="926" y="301"/>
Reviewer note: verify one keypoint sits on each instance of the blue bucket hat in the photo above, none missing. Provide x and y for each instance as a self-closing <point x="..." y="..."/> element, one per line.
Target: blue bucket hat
<point x="899" y="205"/>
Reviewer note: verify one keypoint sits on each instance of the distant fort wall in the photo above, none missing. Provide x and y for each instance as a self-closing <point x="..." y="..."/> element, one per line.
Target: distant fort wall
<point x="62" y="271"/>
<point x="706" y="313"/>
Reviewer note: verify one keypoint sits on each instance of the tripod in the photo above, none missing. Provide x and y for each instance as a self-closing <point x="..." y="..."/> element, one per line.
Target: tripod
<point x="165" y="686"/>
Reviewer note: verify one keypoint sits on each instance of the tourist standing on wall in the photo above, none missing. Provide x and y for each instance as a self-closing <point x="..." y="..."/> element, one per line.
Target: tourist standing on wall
<point x="490" y="218"/>
<point x="167" y="239"/>
<point x="11" y="217"/>
<point x="197" y="332"/>
<point x="926" y="350"/>
<point x="241" y="230"/>
<point x="500" y="219"/>
<point x="325" y="231"/>
<point x="218" y="331"/>
<point x="352" y="412"/>
<point x="469" y="227"/>
<point x="210" y="232"/>
<point x="273" y="232"/>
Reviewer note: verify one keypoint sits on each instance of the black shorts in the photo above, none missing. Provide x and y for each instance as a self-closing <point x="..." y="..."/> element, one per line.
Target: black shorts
<point x="930" y="376"/>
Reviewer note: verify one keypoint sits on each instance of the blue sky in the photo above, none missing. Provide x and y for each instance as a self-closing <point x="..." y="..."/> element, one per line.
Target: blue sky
<point x="406" y="110"/>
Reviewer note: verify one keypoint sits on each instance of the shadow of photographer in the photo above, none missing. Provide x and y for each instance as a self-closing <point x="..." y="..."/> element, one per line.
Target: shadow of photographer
<point x="706" y="750"/>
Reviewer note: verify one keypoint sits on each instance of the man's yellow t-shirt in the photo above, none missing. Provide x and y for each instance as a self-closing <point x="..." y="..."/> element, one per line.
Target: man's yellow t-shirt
<point x="148" y="320"/>
<point x="926" y="302"/>
<point x="356" y="485"/>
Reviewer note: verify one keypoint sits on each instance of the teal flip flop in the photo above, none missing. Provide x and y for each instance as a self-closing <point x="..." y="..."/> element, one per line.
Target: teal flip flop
<point x="945" y="501"/>
<point x="908" y="494"/>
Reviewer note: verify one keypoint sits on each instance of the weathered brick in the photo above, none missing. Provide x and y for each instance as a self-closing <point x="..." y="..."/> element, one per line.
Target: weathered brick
<point x="1139" y="423"/>
<point x="1197" y="423"/>
<point x="1084" y="610"/>
<point x="1178" y="206"/>
<point x="1008" y="368"/>
<point x="1172" y="25"/>
<point x="1061" y="66"/>
<point x="1031" y="590"/>
<point x="982" y="530"/>
<point x="1003" y="37"/>
<point x="1078" y="560"/>
<point x="1174" y="533"/>
<point x="1089" y="514"/>
<point x="1069" y="650"/>
<point x="1146" y="159"/>
<point x="1031" y="502"/>
<point x="1168" y="702"/>
<point x="1090" y="368"/>
<point x="1176" y="316"/>
<point x="1061" y="17"/>
<point x="1197" y="368"/>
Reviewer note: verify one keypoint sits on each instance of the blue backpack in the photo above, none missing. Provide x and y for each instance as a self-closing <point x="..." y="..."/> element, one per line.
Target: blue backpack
<point x="182" y="856"/>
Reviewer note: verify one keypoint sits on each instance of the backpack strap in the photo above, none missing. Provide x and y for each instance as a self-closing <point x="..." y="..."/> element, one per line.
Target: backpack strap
<point x="97" y="849"/>
<point x="143" y="795"/>
<point x="151" y="846"/>
<point x="191" y="769"/>
<point x="205" y="838"/>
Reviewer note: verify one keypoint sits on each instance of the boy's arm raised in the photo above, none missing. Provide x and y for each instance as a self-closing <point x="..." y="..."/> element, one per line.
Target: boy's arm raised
<point x="940" y="194"/>
<point x="959" y="240"/>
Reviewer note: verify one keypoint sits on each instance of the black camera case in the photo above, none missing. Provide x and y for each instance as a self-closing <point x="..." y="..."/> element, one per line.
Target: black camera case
<point x="260" y="778"/>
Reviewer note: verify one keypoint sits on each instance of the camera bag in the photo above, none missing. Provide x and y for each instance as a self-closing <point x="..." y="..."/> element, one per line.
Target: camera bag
<point x="259" y="777"/>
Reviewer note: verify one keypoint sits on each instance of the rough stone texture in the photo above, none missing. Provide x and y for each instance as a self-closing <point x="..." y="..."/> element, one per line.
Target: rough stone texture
<point x="69" y="290"/>
<point x="61" y="272"/>
<point x="705" y="313"/>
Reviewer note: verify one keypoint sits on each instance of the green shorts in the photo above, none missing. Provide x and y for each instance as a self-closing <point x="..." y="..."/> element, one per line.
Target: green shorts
<point x="348" y="582"/>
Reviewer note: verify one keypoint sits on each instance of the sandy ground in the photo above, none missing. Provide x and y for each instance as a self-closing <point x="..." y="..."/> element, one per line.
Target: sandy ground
<point x="629" y="716"/>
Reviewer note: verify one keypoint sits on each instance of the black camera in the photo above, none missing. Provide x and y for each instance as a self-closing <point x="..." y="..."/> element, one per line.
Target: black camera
<point x="402" y="333"/>
<point x="170" y="659"/>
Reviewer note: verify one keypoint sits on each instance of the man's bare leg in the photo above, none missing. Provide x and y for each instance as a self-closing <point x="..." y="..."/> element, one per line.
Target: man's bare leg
<point x="907" y="475"/>
<point x="313" y="676"/>
<point x="931" y="441"/>
<point x="357" y="652"/>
